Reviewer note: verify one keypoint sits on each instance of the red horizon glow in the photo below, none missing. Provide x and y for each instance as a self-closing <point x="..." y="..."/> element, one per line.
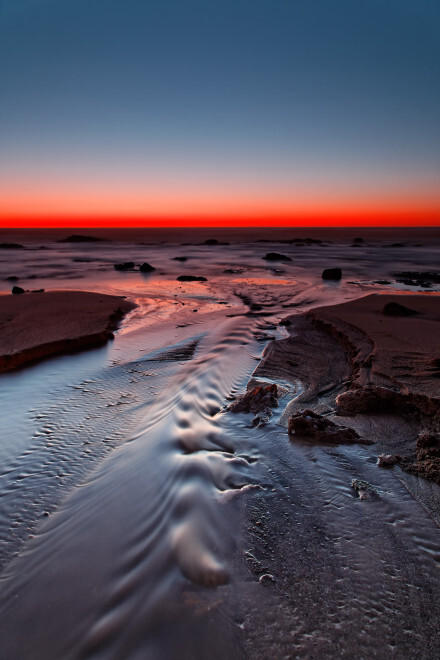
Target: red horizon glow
<point x="405" y="217"/>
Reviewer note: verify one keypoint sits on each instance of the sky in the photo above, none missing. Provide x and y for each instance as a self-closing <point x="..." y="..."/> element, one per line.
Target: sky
<point x="236" y="111"/>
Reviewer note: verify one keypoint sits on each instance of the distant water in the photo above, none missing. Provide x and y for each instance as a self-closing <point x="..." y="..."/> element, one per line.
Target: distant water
<point x="141" y="520"/>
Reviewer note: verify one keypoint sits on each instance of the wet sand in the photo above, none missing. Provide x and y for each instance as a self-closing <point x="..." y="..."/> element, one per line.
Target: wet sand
<point x="143" y="518"/>
<point x="37" y="325"/>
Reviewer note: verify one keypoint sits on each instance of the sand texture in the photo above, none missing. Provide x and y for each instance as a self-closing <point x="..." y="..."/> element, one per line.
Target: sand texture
<point x="36" y="325"/>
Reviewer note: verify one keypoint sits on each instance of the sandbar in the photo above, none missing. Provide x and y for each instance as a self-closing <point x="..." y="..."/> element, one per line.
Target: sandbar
<point x="37" y="325"/>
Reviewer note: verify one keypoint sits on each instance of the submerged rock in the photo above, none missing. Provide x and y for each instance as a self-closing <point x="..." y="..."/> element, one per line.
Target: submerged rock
<point x="307" y="423"/>
<point x="191" y="278"/>
<point x="364" y="490"/>
<point x="127" y="265"/>
<point x="276" y="256"/>
<point x="331" y="274"/>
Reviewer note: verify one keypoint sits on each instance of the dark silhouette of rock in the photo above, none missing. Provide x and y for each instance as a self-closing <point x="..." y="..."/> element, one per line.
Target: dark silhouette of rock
<point x="146" y="268"/>
<point x="285" y="322"/>
<point x="80" y="238"/>
<point x="180" y="258"/>
<point x="418" y="278"/>
<point x="12" y="278"/>
<point x="307" y="423"/>
<point x="128" y="265"/>
<point x="17" y="290"/>
<point x="211" y="241"/>
<point x="191" y="278"/>
<point x="396" y="309"/>
<point x="358" y="240"/>
<point x="11" y="246"/>
<point x="276" y="256"/>
<point x="331" y="274"/>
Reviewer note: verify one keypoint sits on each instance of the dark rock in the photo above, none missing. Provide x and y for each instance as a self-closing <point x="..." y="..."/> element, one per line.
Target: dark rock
<point x="234" y="271"/>
<point x="146" y="268"/>
<point x="37" y="291"/>
<point x="12" y="278"/>
<point x="180" y="258"/>
<point x="371" y="399"/>
<point x="17" y="290"/>
<point x="418" y="278"/>
<point x="285" y="322"/>
<point x="276" y="256"/>
<point x="211" y="241"/>
<point x="307" y="423"/>
<point x="364" y="490"/>
<point x="258" y="399"/>
<point x="11" y="246"/>
<point x="80" y="238"/>
<point x="358" y="240"/>
<point x="191" y="278"/>
<point x="331" y="274"/>
<point x="128" y="265"/>
<point x="396" y="309"/>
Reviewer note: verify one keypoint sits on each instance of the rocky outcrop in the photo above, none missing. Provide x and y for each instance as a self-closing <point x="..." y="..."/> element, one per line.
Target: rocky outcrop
<point x="16" y="290"/>
<point x="260" y="398"/>
<point x="127" y="265"/>
<point x="308" y="424"/>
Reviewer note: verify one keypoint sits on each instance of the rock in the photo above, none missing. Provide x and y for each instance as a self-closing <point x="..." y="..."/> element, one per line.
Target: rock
<point x="309" y="424"/>
<point x="11" y="246"/>
<point x="285" y="322"/>
<point x="80" y="238"/>
<point x="146" y="268"/>
<point x="267" y="578"/>
<point x="211" y="241"/>
<point x="386" y="460"/>
<point x="233" y="271"/>
<point x="180" y="258"/>
<point x="365" y="490"/>
<point x="259" y="399"/>
<point x="276" y="256"/>
<point x="191" y="278"/>
<point x="331" y="274"/>
<point x="424" y="279"/>
<point x="371" y="399"/>
<point x="36" y="291"/>
<point x="128" y="265"/>
<point x="396" y="309"/>
<point x="12" y="278"/>
<point x="17" y="290"/>
<point x="358" y="240"/>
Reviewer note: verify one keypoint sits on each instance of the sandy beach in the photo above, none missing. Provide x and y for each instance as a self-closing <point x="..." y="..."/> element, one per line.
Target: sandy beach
<point x="37" y="325"/>
<point x="250" y="469"/>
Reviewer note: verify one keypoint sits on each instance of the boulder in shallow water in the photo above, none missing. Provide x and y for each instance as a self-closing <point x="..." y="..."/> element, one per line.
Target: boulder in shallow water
<point x="259" y="399"/>
<point x="191" y="278"/>
<point x="386" y="460"/>
<point x="16" y="290"/>
<point x="127" y="265"/>
<point x="276" y="256"/>
<point x="331" y="274"/>
<point x="146" y="268"/>
<point x="307" y="423"/>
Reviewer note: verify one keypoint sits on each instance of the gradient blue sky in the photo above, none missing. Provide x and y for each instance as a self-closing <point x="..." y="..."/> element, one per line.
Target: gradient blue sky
<point x="170" y="106"/>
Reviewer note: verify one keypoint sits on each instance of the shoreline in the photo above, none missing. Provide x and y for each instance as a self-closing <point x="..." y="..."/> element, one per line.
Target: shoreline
<point x="35" y="326"/>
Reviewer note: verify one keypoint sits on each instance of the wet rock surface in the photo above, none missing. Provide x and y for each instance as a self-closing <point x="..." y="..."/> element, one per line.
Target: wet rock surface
<point x="308" y="424"/>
